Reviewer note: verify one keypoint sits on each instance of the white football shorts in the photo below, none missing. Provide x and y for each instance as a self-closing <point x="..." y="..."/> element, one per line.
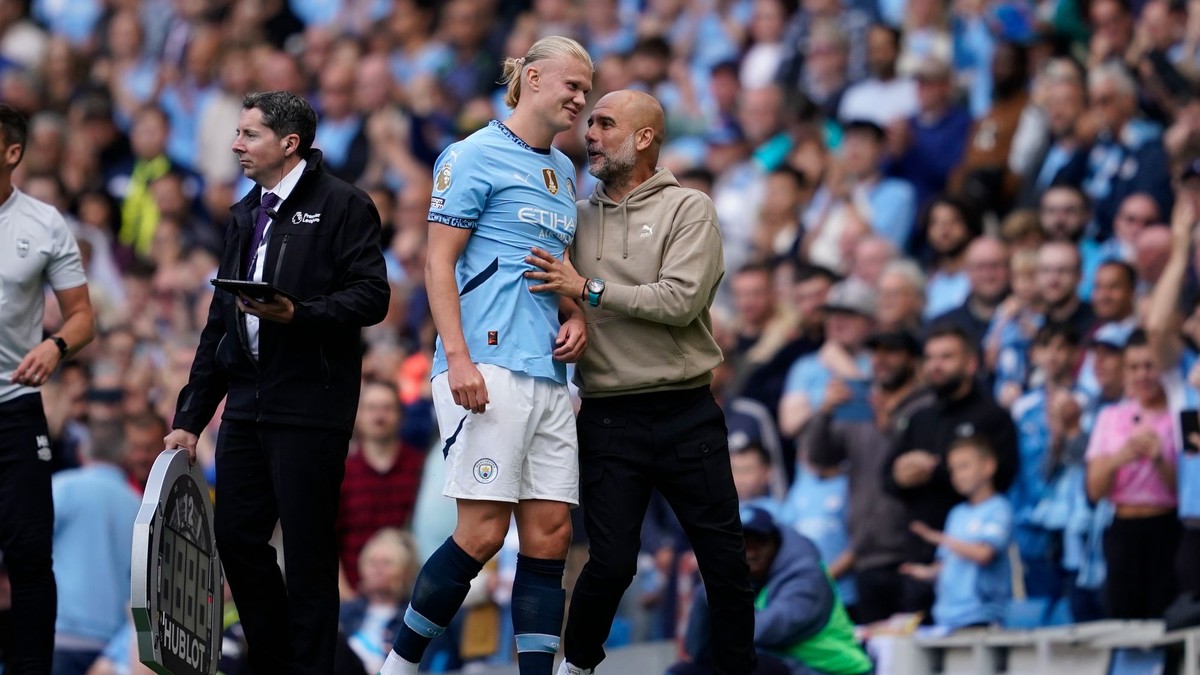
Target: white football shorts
<point x="523" y="446"/>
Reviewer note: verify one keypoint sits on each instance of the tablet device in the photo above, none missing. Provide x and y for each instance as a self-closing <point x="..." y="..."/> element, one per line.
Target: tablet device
<point x="258" y="290"/>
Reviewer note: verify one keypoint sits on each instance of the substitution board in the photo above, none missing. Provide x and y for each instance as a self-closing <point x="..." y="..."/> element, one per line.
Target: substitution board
<point x="177" y="585"/>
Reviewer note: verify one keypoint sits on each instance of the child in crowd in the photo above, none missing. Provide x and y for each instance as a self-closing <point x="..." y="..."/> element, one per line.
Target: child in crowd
<point x="1011" y="333"/>
<point x="752" y="476"/>
<point x="1022" y="230"/>
<point x="972" y="574"/>
<point x="817" y="506"/>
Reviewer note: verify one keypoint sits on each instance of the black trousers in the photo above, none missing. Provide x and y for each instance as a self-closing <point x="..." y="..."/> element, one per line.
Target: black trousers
<point x="269" y="472"/>
<point x="26" y="533"/>
<point x="1140" y="553"/>
<point x="880" y="593"/>
<point x="675" y="442"/>
<point x="1187" y="561"/>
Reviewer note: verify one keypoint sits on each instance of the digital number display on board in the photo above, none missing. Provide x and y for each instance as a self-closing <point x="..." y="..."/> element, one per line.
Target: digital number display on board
<point x="177" y="583"/>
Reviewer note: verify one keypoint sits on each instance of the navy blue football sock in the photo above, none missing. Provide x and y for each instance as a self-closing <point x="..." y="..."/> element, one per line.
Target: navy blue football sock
<point x="538" y="601"/>
<point x="437" y="595"/>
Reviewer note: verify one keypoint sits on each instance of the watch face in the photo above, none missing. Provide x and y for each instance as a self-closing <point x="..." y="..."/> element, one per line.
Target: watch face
<point x="595" y="286"/>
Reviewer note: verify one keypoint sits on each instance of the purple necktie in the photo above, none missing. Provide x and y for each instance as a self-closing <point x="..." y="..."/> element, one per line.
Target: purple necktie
<point x="269" y="199"/>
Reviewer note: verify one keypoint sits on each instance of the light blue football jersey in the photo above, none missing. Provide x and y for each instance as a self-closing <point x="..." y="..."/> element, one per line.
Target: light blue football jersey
<point x="514" y="197"/>
<point x="969" y="593"/>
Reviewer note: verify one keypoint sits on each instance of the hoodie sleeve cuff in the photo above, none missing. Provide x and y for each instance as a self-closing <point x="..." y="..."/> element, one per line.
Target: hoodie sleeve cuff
<point x="618" y="297"/>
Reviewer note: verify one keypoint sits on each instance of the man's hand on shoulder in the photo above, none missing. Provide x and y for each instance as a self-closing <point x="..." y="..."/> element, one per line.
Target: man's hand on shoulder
<point x="279" y="309"/>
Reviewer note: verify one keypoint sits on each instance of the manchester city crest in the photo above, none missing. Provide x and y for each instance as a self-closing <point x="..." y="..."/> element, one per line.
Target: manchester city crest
<point x="22" y="247"/>
<point x="486" y="470"/>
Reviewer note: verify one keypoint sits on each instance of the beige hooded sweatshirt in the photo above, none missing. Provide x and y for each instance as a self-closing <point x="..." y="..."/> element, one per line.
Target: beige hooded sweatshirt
<point x="659" y="253"/>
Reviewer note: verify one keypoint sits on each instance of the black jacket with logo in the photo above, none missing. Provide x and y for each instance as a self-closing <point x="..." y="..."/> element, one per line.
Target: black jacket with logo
<point x="324" y="249"/>
<point x="934" y="429"/>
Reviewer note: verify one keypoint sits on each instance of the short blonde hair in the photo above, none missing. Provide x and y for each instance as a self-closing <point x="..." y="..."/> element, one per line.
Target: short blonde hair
<point x="551" y="47"/>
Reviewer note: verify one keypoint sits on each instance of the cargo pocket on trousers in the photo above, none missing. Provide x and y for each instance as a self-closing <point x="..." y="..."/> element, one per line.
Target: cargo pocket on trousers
<point x="711" y="455"/>
<point x="596" y="432"/>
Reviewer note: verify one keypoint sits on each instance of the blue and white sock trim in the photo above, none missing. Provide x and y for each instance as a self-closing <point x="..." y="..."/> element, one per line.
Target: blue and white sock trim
<point x="537" y="642"/>
<point x="420" y="625"/>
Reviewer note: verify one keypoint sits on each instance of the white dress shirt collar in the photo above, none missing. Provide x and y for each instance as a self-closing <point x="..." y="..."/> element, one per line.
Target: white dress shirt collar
<point x="287" y="183"/>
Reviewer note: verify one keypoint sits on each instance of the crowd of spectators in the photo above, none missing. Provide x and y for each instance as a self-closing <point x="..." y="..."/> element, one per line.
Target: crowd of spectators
<point x="941" y="220"/>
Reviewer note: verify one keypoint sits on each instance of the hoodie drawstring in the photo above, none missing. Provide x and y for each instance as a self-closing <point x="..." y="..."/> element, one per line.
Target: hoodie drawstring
<point x="624" y="207"/>
<point x="600" y="241"/>
<point x="625" y="218"/>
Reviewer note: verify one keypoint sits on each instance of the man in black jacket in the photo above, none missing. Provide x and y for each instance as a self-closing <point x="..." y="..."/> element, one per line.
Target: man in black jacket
<point x="290" y="368"/>
<point x="916" y="471"/>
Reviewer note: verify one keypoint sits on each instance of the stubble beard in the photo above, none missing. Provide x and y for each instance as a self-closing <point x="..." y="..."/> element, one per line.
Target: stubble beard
<point x="897" y="380"/>
<point x="949" y="388"/>
<point x="616" y="168"/>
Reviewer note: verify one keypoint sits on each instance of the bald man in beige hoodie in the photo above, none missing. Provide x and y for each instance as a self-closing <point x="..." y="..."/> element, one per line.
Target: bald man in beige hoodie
<point x="645" y="266"/>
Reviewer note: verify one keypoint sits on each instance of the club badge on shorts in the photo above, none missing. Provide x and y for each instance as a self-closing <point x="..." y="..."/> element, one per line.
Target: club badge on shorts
<point x="486" y="470"/>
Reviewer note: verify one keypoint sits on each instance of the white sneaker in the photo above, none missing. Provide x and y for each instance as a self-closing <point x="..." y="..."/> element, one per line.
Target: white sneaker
<point x="567" y="669"/>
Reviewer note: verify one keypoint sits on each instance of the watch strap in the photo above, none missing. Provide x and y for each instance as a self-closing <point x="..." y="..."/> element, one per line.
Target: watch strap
<point x="61" y="344"/>
<point x="593" y="298"/>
